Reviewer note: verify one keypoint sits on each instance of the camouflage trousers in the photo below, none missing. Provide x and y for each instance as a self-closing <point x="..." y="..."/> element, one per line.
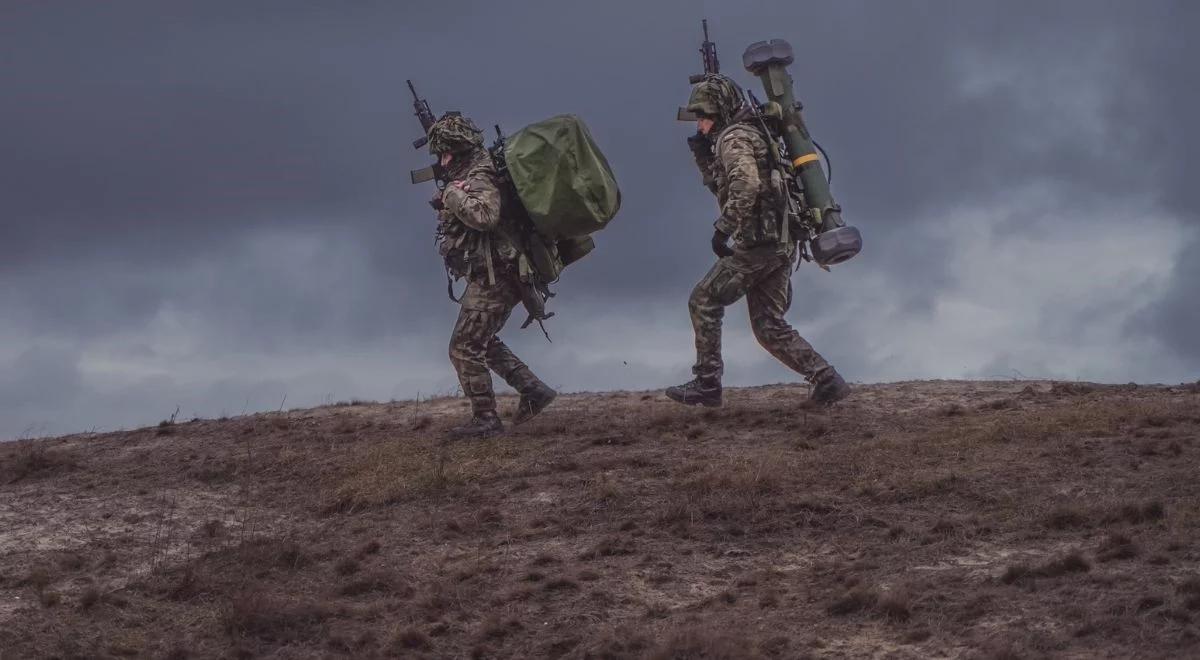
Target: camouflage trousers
<point x="475" y="349"/>
<point x="763" y="275"/>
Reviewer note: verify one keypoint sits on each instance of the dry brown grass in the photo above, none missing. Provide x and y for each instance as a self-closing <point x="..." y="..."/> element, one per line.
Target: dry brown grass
<point x="859" y="599"/>
<point x="1092" y="418"/>
<point x="257" y="614"/>
<point x="1072" y="562"/>
<point x="621" y="526"/>
<point x="1116" y="547"/>
<point x="26" y="459"/>
<point x="401" y="470"/>
<point x="705" y="644"/>
<point x="729" y="489"/>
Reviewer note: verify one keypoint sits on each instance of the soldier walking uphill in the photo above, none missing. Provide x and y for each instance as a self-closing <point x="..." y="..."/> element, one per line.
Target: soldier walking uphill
<point x="473" y="231"/>
<point x="734" y="159"/>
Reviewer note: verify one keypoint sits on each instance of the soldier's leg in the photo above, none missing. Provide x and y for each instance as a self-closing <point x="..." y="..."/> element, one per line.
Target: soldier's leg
<point x="509" y="367"/>
<point x="485" y="308"/>
<point x="473" y="332"/>
<point x="768" y="301"/>
<point x="722" y="286"/>
<point x="535" y="395"/>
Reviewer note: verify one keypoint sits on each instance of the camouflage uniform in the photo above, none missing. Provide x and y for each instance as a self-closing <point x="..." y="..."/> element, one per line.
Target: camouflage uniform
<point x="473" y="238"/>
<point x="738" y="171"/>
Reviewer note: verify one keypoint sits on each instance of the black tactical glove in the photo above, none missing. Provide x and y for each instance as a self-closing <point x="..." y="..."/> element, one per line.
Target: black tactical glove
<point x="700" y="145"/>
<point x="720" y="245"/>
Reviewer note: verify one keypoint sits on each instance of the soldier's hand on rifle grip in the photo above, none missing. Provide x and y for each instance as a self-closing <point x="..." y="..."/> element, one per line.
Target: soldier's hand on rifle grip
<point x="436" y="202"/>
<point x="699" y="144"/>
<point x="720" y="244"/>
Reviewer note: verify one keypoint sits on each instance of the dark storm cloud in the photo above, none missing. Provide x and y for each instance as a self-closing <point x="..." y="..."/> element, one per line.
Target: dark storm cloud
<point x="237" y="172"/>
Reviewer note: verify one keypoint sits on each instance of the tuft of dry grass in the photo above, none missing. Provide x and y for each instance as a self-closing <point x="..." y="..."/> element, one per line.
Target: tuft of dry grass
<point x="733" y="489"/>
<point x="401" y="470"/>
<point x="367" y="549"/>
<point x="609" y="547"/>
<point x="411" y="639"/>
<point x="703" y="644"/>
<point x="858" y="599"/>
<point x="1190" y="585"/>
<point x="379" y="582"/>
<point x="952" y="410"/>
<point x="253" y="613"/>
<point x="1117" y="547"/>
<point x="604" y="493"/>
<point x="89" y="597"/>
<point x="282" y="553"/>
<point x="34" y="458"/>
<point x="1080" y="515"/>
<point x="1065" y="516"/>
<point x="1136" y="513"/>
<point x="1072" y="562"/>
<point x="895" y="605"/>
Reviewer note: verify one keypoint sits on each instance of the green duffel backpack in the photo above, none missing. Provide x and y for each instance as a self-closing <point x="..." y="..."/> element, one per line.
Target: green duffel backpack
<point x="566" y="188"/>
<point x="562" y="178"/>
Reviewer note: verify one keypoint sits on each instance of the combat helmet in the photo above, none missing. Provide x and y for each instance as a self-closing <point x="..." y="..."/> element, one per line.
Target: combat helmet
<point x="716" y="96"/>
<point x="454" y="133"/>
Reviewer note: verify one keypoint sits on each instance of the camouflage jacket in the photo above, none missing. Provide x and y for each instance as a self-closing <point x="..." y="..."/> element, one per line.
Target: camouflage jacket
<point x="473" y="227"/>
<point x="740" y="172"/>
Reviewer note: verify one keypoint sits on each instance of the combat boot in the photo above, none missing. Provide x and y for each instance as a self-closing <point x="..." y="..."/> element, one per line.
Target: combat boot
<point x="828" y="388"/>
<point x="482" y="425"/>
<point x="696" y="392"/>
<point x="533" y="402"/>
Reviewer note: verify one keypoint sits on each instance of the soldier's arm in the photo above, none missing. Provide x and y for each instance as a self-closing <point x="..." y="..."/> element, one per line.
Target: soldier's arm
<point x="476" y="203"/>
<point x="741" y="171"/>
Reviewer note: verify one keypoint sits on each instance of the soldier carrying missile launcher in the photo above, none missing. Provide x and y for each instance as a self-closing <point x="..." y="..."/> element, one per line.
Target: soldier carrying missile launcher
<point x="766" y="213"/>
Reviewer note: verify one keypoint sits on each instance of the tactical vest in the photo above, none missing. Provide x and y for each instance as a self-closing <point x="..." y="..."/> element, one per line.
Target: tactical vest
<point x="766" y="223"/>
<point x="473" y="254"/>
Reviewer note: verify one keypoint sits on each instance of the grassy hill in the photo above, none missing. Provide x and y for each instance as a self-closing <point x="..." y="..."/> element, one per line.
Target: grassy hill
<point x="923" y="519"/>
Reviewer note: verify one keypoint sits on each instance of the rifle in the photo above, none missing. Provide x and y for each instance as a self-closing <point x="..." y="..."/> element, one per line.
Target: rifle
<point x="708" y="53"/>
<point x="701" y="145"/>
<point x="425" y="115"/>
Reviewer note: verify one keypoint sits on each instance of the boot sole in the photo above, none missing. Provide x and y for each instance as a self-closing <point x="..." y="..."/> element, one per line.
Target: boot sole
<point x="517" y="421"/>
<point x="474" y="436"/>
<point x="841" y="395"/>
<point x="682" y="400"/>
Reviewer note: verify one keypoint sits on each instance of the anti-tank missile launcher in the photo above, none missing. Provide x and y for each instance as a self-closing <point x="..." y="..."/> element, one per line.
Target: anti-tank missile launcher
<point x="834" y="242"/>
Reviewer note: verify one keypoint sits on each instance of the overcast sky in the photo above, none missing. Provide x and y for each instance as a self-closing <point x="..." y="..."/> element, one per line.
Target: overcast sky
<point x="206" y="205"/>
